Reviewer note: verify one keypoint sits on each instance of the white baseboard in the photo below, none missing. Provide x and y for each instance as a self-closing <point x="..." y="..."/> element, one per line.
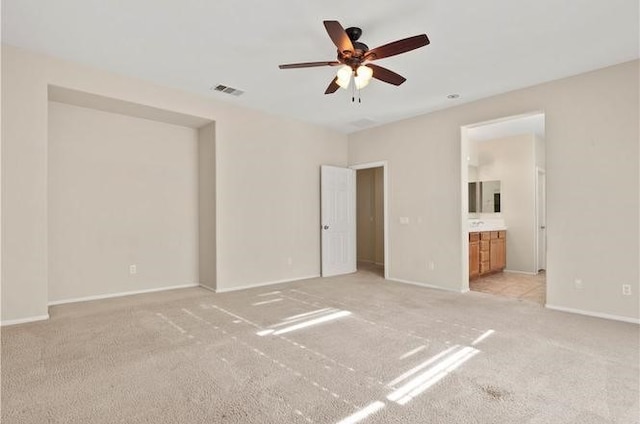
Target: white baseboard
<point x="593" y="314"/>
<point x="425" y="285"/>
<point x="120" y="294"/>
<point x="520" y="272"/>
<point x="207" y="288"/>
<point x="268" y="283"/>
<point x="24" y="320"/>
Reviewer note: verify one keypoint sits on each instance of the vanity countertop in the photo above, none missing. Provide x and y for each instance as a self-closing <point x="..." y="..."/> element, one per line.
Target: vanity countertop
<point x="480" y="229"/>
<point x="488" y="224"/>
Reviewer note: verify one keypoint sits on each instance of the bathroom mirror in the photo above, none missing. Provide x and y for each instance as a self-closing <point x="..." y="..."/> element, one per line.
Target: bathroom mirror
<point x="473" y="197"/>
<point x="484" y="197"/>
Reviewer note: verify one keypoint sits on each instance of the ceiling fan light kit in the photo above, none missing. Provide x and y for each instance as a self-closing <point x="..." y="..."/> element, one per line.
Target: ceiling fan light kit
<point x="343" y="76"/>
<point x="354" y="58"/>
<point x="361" y="76"/>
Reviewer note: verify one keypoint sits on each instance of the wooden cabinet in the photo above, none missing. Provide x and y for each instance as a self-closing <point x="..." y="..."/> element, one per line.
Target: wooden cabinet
<point x="474" y="255"/>
<point x="498" y="258"/>
<point x="487" y="252"/>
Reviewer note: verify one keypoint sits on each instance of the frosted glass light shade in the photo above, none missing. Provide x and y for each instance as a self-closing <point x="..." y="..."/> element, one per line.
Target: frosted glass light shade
<point x="364" y="72"/>
<point x="361" y="82"/>
<point x="344" y="76"/>
<point x="363" y="76"/>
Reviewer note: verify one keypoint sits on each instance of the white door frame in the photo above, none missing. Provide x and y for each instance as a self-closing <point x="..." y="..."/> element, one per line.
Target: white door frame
<point x="385" y="196"/>
<point x="539" y="172"/>
<point x="464" y="190"/>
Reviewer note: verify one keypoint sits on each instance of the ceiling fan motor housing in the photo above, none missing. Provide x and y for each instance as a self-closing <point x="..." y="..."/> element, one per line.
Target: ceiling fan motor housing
<point x="355" y="58"/>
<point x="354" y="33"/>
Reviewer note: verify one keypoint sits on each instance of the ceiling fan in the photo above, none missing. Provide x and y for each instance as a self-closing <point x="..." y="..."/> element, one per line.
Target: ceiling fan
<point x="355" y="57"/>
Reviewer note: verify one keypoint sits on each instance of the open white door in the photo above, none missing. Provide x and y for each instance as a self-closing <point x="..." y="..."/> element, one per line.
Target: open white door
<point x="338" y="220"/>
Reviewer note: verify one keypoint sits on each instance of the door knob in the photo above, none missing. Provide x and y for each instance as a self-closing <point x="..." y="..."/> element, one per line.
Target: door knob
<point x="542" y="227"/>
<point x="326" y="227"/>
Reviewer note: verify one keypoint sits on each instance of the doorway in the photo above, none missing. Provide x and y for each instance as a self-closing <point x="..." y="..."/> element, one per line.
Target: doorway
<point x="371" y="219"/>
<point x="504" y="247"/>
<point x="339" y="220"/>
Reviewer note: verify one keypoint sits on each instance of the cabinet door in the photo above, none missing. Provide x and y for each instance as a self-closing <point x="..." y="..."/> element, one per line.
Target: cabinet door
<point x="503" y="253"/>
<point x="494" y="255"/>
<point x="474" y="259"/>
<point x="498" y="254"/>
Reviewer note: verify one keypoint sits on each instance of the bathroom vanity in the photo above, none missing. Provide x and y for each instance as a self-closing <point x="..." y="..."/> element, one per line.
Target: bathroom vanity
<point x="487" y="252"/>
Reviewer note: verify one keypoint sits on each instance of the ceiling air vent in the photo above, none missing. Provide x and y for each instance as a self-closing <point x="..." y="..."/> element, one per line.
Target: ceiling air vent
<point x="363" y="123"/>
<point x="228" y="90"/>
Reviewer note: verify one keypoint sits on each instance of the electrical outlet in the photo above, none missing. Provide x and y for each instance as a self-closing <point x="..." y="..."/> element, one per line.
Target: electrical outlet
<point x="289" y="261"/>
<point x="578" y="284"/>
<point x="626" y="289"/>
<point x="133" y="269"/>
<point x="432" y="266"/>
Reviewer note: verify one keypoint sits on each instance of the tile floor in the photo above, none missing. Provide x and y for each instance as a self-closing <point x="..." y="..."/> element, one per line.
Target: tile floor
<point x="531" y="288"/>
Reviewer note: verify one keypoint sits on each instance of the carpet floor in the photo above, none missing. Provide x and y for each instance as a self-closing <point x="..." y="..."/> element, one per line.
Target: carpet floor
<point x="336" y="350"/>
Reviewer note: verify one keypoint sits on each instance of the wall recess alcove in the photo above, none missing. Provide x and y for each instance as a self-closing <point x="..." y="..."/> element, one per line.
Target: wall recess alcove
<point x="131" y="198"/>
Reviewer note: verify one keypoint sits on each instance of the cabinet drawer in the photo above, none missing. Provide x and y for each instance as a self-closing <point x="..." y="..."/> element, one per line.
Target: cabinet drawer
<point x="502" y="234"/>
<point x="474" y="236"/>
<point x="485" y="245"/>
<point x="494" y="235"/>
<point x="485" y="235"/>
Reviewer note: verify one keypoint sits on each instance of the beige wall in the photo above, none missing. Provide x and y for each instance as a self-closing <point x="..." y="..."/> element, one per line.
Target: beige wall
<point x="592" y="138"/>
<point x="207" y="205"/>
<point x="24" y="188"/>
<point x="370" y="215"/>
<point x="1" y="181"/>
<point x="511" y="160"/>
<point x="378" y="204"/>
<point x="364" y="210"/>
<point x="267" y="183"/>
<point x="122" y="191"/>
<point x="267" y="178"/>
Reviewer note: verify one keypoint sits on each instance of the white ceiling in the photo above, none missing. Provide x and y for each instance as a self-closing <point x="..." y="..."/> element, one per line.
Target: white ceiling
<point x="478" y="48"/>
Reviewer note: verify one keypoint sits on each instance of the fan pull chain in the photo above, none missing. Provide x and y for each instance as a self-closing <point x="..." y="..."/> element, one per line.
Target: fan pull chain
<point x="353" y="90"/>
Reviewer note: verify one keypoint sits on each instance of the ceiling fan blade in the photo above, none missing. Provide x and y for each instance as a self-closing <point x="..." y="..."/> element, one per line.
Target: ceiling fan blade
<point x="333" y="87"/>
<point x="397" y="47"/>
<point x="308" y="65"/>
<point x="338" y="36"/>
<point x="384" y="74"/>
